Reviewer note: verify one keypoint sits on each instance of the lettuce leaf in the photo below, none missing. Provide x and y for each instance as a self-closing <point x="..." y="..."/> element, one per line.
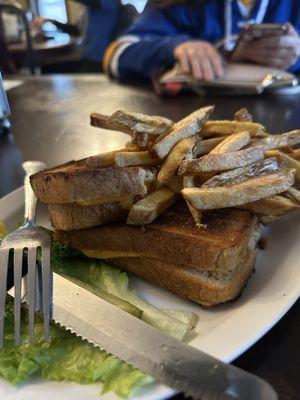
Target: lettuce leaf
<point x="65" y="358"/>
<point x="115" y="282"/>
<point x="68" y="358"/>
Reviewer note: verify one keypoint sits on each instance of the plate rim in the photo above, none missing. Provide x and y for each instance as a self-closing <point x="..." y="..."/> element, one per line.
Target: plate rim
<point x="165" y="392"/>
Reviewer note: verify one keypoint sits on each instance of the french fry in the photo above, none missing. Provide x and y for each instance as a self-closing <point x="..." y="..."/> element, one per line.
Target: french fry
<point x="150" y="207"/>
<point x="242" y="193"/>
<point x="279" y="141"/>
<point x="267" y="219"/>
<point x="103" y="159"/>
<point x="196" y="214"/>
<point x="172" y="161"/>
<point x="221" y="162"/>
<point x="185" y="128"/>
<point x="232" y="143"/>
<point x="188" y="182"/>
<point x="225" y="127"/>
<point x="238" y="175"/>
<point x="294" y="193"/>
<point x="289" y="161"/>
<point x="132" y="158"/>
<point x="275" y="205"/>
<point x="131" y="123"/>
<point x="143" y="123"/>
<point x="132" y="147"/>
<point x="205" y="146"/>
<point x="140" y="139"/>
<point x="296" y="154"/>
<point x="243" y="115"/>
<point x="175" y="183"/>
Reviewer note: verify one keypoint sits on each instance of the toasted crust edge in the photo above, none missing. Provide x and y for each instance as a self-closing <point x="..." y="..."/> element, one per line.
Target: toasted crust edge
<point x="187" y="283"/>
<point x="72" y="216"/>
<point x="87" y="184"/>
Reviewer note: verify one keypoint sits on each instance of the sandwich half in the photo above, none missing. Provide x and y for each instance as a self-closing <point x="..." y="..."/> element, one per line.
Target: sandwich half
<point x="208" y="266"/>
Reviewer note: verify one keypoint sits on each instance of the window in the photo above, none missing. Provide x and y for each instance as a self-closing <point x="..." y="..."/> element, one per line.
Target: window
<point x="55" y="9"/>
<point x="139" y="4"/>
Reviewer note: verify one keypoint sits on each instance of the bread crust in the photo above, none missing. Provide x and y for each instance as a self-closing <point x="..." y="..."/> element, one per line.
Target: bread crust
<point x="74" y="216"/>
<point x="71" y="185"/>
<point x="201" y="287"/>
<point x="173" y="236"/>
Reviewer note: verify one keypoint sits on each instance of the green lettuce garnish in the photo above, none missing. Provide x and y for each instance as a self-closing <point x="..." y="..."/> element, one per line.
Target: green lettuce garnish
<point x="68" y="358"/>
<point x="65" y="358"/>
<point x="115" y="282"/>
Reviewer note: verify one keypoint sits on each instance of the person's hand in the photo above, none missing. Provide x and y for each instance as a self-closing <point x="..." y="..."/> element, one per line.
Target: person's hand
<point x="281" y="52"/>
<point x="38" y="22"/>
<point x="200" y="59"/>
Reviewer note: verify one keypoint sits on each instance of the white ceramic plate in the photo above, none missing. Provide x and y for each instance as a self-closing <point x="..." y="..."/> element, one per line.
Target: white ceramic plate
<point x="224" y="332"/>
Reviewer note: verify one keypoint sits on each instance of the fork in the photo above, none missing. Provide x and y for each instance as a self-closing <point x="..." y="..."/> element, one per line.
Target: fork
<point x="28" y="238"/>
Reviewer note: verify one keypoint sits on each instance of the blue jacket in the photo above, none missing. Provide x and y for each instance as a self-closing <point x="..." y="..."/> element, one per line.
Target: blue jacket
<point x="102" y="22"/>
<point x="150" y="41"/>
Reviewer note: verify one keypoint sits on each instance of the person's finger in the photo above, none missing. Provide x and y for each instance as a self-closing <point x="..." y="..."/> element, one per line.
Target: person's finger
<point x="195" y="64"/>
<point x="273" y="61"/>
<point x="216" y="62"/>
<point x="288" y="52"/>
<point x="276" y="42"/>
<point x="207" y="69"/>
<point x="184" y="62"/>
<point x="279" y="63"/>
<point x="290" y="30"/>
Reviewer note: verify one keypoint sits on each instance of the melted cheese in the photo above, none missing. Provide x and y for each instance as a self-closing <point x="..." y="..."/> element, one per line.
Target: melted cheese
<point x="106" y="199"/>
<point x="108" y="254"/>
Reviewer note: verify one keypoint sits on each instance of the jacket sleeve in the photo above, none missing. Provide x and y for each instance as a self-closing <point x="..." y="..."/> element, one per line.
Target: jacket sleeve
<point x="296" y="22"/>
<point x="296" y="67"/>
<point x="146" y="46"/>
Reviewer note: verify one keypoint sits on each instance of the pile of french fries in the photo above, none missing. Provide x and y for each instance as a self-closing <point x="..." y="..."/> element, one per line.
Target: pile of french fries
<point x="212" y="164"/>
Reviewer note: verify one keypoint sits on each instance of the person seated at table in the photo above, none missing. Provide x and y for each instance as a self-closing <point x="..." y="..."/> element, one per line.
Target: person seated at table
<point x="187" y="31"/>
<point x="100" y="23"/>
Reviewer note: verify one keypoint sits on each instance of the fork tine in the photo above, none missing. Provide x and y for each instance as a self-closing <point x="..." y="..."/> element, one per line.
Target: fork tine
<point x="46" y="279"/>
<point x="4" y="254"/>
<point x="31" y="290"/>
<point x="18" y="259"/>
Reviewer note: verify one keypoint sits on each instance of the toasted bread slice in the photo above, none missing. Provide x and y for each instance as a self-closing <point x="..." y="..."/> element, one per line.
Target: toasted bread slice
<point x="173" y="237"/>
<point x="74" y="216"/>
<point x="203" y="287"/>
<point x="69" y="184"/>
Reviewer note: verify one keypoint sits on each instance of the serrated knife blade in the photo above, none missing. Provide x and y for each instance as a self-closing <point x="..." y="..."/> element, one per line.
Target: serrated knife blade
<point x="168" y="360"/>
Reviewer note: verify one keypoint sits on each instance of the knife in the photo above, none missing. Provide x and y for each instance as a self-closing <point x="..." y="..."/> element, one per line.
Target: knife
<point x="168" y="360"/>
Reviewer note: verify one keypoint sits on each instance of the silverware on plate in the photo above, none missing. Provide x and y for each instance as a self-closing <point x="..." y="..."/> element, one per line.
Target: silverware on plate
<point x="168" y="360"/>
<point x="28" y="239"/>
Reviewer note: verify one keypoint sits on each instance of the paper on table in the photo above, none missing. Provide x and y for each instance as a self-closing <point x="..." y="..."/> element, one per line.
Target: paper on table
<point x="10" y="84"/>
<point x="234" y="74"/>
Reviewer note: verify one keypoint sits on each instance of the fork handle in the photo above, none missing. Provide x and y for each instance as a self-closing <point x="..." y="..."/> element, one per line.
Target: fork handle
<point x="30" y="168"/>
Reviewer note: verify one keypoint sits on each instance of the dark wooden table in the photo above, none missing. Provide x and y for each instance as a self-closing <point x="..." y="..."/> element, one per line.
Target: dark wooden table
<point x="50" y="122"/>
